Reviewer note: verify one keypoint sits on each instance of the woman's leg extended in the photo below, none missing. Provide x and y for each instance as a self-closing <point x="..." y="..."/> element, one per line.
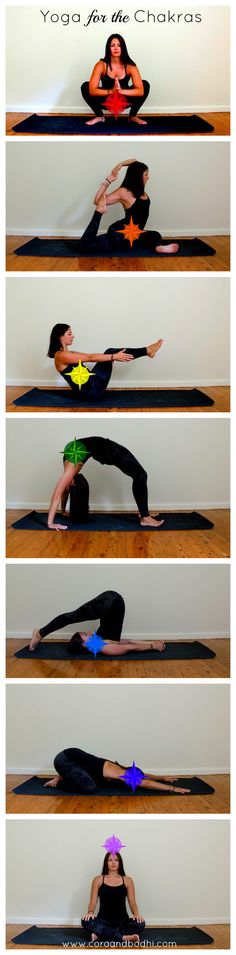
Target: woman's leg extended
<point x="96" y="386"/>
<point x="137" y="101"/>
<point x="94" y="102"/>
<point x="128" y="464"/>
<point x="109" y="607"/>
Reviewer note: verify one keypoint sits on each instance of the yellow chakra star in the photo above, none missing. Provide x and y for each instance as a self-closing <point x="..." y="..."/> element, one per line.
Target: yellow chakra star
<point x="80" y="374"/>
<point x="131" y="231"/>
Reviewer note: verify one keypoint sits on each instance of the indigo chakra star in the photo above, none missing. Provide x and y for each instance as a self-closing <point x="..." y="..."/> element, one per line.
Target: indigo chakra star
<point x="95" y="643"/>
<point x="133" y="776"/>
<point x="80" y="375"/>
<point x="116" y="102"/>
<point x="131" y="231"/>
<point x="113" y="845"/>
<point x="75" y="451"/>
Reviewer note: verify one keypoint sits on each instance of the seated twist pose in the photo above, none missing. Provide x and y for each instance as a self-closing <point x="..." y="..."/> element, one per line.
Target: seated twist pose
<point x="136" y="204"/>
<point x="112" y="888"/>
<point x="65" y="360"/>
<point x="116" y="71"/>
<point x="110" y="608"/>
<point x="106" y="452"/>
<point x="81" y="772"/>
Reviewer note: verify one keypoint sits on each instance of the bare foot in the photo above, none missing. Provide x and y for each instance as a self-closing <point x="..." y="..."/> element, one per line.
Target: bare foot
<point x="94" y="937"/>
<point x="101" y="205"/>
<point x="150" y="521"/>
<point x="96" y="119"/>
<point x="158" y="645"/>
<point x="152" y="349"/>
<point x="35" y="639"/>
<point x="136" y="119"/>
<point x="168" y="249"/>
<point x="130" y="938"/>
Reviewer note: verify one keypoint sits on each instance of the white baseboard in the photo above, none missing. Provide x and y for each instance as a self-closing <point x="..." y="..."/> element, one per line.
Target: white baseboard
<point x="160" y="770"/>
<point x="66" y="233"/>
<point x="58" y="920"/>
<point x="126" y="508"/>
<point x="164" y="383"/>
<point x="83" y="110"/>
<point x="178" y="635"/>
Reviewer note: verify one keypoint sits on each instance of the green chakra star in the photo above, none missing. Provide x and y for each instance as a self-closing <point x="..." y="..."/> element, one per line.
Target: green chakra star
<point x="80" y="375"/>
<point x="75" y="451"/>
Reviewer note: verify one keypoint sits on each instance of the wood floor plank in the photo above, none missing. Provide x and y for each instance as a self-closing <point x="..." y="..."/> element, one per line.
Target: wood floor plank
<point x="169" y="263"/>
<point x="219" y="394"/>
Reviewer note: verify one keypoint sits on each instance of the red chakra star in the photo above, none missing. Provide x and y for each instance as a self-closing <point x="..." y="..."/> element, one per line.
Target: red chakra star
<point x="116" y="102"/>
<point x="131" y="231"/>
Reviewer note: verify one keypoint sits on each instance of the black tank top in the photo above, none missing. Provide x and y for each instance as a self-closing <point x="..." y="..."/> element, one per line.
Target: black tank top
<point x="65" y="374"/>
<point x="112" y="902"/>
<point x="107" y="82"/>
<point x="139" y="212"/>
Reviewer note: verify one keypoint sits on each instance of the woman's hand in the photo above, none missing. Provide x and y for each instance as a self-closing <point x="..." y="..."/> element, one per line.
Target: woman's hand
<point x="90" y="915"/>
<point x="52" y="782"/>
<point x="138" y="918"/>
<point x="114" y="173"/>
<point x="176" y="789"/>
<point x="57" y="527"/>
<point x="123" y="356"/>
<point x="117" y="84"/>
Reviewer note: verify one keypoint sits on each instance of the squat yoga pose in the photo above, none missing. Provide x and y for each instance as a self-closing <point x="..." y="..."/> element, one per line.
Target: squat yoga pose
<point x="106" y="452"/>
<point x="136" y="204"/>
<point x="115" y="72"/>
<point x="112" y="888"/>
<point x="65" y="360"/>
<point x="109" y="607"/>
<point x="81" y="772"/>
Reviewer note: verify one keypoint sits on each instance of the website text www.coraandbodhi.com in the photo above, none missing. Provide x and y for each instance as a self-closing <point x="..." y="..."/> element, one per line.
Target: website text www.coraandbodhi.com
<point x="127" y="944"/>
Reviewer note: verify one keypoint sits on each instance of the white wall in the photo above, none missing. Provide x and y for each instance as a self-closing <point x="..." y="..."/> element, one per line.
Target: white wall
<point x="180" y="868"/>
<point x="195" y="329"/>
<point x="186" y="64"/>
<point x="166" y="728"/>
<point x="187" y="461"/>
<point x="51" y="185"/>
<point x="164" y="600"/>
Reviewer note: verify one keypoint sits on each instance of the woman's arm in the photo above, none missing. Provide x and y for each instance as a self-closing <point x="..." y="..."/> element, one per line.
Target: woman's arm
<point x="71" y="357"/>
<point x="61" y="486"/>
<point x="112" y="176"/>
<point x="137" y="89"/>
<point x="94" y="88"/>
<point x="93" y="897"/>
<point x="132" y="900"/>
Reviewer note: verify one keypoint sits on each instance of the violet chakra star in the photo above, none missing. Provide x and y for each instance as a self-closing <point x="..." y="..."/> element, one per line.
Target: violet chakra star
<point x="113" y="845"/>
<point x="133" y="776"/>
<point x="94" y="643"/>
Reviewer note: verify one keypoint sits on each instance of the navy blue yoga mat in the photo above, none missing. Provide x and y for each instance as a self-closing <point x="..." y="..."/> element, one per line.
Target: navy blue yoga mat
<point x="70" y="248"/>
<point x="35" y="787"/>
<point x="57" y="650"/>
<point x="190" y="521"/>
<point x="76" y="125"/>
<point x="68" y="937"/>
<point x="119" y="398"/>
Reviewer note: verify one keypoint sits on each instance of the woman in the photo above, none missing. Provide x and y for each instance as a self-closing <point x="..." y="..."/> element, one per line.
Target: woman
<point x="115" y="72"/>
<point x="81" y="772"/>
<point x="105" y="452"/>
<point x="136" y="204"/>
<point x="65" y="360"/>
<point x="112" y="888"/>
<point x="110" y="608"/>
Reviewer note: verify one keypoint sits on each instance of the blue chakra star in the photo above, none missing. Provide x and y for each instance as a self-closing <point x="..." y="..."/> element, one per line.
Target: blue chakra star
<point x="113" y="845"/>
<point x="133" y="776"/>
<point x="94" y="643"/>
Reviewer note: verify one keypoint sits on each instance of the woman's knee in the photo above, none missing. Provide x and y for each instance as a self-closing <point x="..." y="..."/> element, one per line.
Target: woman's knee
<point x="117" y="599"/>
<point x="59" y="761"/>
<point x="84" y="88"/>
<point x="146" y="87"/>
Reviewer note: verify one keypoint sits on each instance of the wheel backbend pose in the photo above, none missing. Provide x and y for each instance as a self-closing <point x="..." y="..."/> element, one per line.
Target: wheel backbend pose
<point x="61" y="339"/>
<point x="81" y="772"/>
<point x="115" y="71"/>
<point x="136" y="204"/>
<point x="105" y="452"/>
<point x="109" y="608"/>
<point x="112" y="888"/>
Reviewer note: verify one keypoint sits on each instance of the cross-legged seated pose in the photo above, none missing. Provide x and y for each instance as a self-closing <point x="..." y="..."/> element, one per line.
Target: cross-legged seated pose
<point x="136" y="204"/>
<point x="112" y="888"/>
<point x="106" y="452"/>
<point x="81" y="772"/>
<point x="115" y="72"/>
<point x="65" y="360"/>
<point x="110" y="608"/>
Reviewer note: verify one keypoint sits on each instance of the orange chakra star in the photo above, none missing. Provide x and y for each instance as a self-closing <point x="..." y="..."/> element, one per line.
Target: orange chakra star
<point x="131" y="231"/>
<point x="116" y="102"/>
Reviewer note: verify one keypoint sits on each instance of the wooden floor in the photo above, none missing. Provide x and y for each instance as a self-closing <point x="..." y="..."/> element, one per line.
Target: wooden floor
<point x="220" y="395"/>
<point x="218" y="802"/>
<point x="218" y="667"/>
<point x="169" y="263"/>
<point x="220" y="121"/>
<point x="220" y="933"/>
<point x="213" y="543"/>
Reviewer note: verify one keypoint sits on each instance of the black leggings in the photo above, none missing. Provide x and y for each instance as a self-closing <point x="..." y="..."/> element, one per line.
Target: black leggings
<point x="122" y="459"/>
<point x="110" y="933"/>
<point x="96" y="387"/>
<point x="96" y="104"/>
<point x="112" y="241"/>
<point x="108" y="606"/>
<point x="79" y="771"/>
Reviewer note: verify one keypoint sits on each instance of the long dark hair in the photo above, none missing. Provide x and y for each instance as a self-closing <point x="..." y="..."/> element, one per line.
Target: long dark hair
<point x="56" y="333"/>
<point x="125" y="57"/>
<point x="134" y="178"/>
<point x="105" y="869"/>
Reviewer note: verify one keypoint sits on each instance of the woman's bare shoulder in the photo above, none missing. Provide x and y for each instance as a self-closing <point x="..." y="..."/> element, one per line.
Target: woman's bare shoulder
<point x="127" y="880"/>
<point x="98" y="879"/>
